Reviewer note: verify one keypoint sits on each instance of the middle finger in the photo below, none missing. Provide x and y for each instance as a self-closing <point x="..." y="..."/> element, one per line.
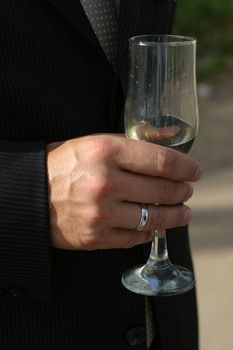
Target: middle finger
<point x="150" y="189"/>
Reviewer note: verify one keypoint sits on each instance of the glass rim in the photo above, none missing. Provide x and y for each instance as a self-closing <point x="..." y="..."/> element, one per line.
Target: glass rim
<point x="178" y="40"/>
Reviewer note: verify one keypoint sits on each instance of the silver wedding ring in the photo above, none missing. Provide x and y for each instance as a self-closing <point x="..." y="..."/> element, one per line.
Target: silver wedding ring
<point x="143" y="219"/>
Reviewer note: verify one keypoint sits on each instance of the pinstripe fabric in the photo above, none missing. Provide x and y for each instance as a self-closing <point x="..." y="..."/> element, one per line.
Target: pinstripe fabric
<point x="22" y="218"/>
<point x="41" y="101"/>
<point x="56" y="84"/>
<point x="80" y="314"/>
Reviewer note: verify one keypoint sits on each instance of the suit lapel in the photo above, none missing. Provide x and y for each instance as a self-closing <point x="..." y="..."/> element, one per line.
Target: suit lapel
<point x="128" y="18"/>
<point x="74" y="13"/>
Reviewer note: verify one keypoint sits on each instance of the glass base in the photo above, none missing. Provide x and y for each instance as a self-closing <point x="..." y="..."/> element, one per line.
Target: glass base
<point x="165" y="280"/>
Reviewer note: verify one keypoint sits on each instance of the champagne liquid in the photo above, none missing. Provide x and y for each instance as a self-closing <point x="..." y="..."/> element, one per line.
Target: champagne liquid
<point x="172" y="132"/>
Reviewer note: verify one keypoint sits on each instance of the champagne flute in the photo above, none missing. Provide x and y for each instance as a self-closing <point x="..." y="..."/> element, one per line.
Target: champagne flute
<point x="161" y="107"/>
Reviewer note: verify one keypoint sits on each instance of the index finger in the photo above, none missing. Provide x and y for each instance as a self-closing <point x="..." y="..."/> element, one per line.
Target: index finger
<point x="150" y="159"/>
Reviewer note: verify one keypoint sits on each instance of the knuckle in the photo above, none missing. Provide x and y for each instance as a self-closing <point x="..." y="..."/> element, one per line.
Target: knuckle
<point x="89" y="241"/>
<point x="167" y="192"/>
<point x="101" y="187"/>
<point x="104" y="149"/>
<point x="99" y="217"/>
<point x="96" y="216"/>
<point x="166" y="160"/>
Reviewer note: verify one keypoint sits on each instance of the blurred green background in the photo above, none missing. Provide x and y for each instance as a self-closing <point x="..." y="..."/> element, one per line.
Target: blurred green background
<point x="211" y="22"/>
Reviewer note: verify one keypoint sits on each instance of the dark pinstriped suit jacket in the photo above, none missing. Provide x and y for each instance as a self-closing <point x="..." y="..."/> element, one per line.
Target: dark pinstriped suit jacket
<point x="56" y="84"/>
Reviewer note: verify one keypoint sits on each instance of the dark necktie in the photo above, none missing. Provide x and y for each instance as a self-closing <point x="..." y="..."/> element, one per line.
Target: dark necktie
<point x="103" y="19"/>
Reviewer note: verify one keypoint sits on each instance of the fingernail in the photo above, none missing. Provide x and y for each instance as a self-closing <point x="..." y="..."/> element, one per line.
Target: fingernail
<point x="187" y="215"/>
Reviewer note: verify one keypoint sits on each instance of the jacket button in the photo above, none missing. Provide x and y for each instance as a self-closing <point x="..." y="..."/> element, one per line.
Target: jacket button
<point x="136" y="336"/>
<point x="17" y="293"/>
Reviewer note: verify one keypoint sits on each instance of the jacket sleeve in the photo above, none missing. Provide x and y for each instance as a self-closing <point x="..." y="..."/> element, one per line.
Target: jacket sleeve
<point x="24" y="220"/>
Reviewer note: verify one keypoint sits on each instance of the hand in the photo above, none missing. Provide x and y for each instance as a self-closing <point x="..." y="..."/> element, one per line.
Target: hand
<point x="96" y="182"/>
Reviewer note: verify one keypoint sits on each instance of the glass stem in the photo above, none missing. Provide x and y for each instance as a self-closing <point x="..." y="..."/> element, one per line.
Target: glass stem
<point x="159" y="254"/>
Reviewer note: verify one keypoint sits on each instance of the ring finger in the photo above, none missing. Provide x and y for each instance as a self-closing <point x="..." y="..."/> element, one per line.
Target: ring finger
<point x="128" y="215"/>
